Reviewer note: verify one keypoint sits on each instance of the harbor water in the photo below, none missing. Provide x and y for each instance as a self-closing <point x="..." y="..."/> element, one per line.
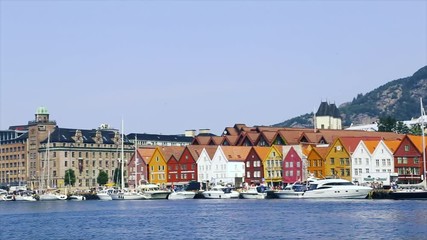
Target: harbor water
<point x="214" y="219"/>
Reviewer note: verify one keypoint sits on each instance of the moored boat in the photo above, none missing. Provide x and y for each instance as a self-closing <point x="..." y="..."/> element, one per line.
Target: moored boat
<point x="216" y="192"/>
<point x="181" y="195"/>
<point x="326" y="188"/>
<point x="253" y="193"/>
<point x="152" y="191"/>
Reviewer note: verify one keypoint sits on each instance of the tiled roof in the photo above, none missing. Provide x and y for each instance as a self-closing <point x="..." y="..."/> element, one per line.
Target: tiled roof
<point x="169" y="151"/>
<point x="201" y="140"/>
<point x="210" y="150"/>
<point x="322" y="151"/>
<point x="350" y="143"/>
<point x="146" y="153"/>
<point x="195" y="151"/>
<point x="371" y="145"/>
<point x="236" y="153"/>
<point x="392" y="144"/>
<point x="418" y="142"/>
<point x="262" y="152"/>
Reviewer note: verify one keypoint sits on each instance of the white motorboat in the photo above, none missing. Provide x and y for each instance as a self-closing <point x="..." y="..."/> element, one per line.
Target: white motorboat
<point x="152" y="191"/>
<point x="126" y="194"/>
<point x="181" y="195"/>
<point x="326" y="188"/>
<point x="216" y="192"/>
<point x="104" y="194"/>
<point x="252" y="193"/>
<point x="291" y="191"/>
<point x="52" y="196"/>
<point x="8" y="197"/>
<point x="77" y="198"/>
<point x="25" y="196"/>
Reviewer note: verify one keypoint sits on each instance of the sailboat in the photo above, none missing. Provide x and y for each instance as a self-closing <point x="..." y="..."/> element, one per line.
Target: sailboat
<point x="124" y="193"/>
<point x="49" y="195"/>
<point x="418" y="193"/>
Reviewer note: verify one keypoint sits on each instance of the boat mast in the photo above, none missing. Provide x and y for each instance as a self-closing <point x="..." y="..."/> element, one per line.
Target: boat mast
<point x="423" y="113"/>
<point x="122" y="159"/>
<point x="135" y="163"/>
<point x="48" y="160"/>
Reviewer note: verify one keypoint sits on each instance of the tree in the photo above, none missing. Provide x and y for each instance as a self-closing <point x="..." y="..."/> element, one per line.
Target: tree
<point x="401" y="128"/>
<point x="117" y="176"/>
<point x="102" y="178"/>
<point x="416" y="130"/>
<point x="386" y="124"/>
<point x="70" y="177"/>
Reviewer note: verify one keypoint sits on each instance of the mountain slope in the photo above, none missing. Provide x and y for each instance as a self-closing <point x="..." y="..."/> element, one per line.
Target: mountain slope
<point x="399" y="99"/>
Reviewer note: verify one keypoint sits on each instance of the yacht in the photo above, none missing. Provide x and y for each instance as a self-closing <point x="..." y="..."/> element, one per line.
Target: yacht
<point x="253" y="193"/>
<point x="291" y="191"/>
<point x="25" y="196"/>
<point x="104" y="194"/>
<point x="181" y="195"/>
<point x="325" y="188"/>
<point x="217" y="192"/>
<point x="48" y="196"/>
<point x="152" y="191"/>
<point x="126" y="194"/>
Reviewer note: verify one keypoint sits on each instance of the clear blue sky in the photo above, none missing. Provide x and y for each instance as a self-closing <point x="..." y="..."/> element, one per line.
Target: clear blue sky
<point x="168" y="66"/>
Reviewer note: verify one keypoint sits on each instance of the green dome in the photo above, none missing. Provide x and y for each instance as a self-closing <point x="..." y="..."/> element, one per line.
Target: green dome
<point x="42" y="110"/>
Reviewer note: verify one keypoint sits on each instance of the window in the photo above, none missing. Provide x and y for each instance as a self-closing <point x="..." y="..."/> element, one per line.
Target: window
<point x="377" y="162"/>
<point x="406" y="148"/>
<point x="248" y="174"/>
<point x="367" y="170"/>
<point x="405" y="160"/>
<point x="383" y="162"/>
<point x="416" y="160"/>
<point x="248" y="164"/>
<point x="389" y="162"/>
<point x="332" y="161"/>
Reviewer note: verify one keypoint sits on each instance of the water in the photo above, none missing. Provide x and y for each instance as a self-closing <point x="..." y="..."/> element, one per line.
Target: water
<point x="214" y="219"/>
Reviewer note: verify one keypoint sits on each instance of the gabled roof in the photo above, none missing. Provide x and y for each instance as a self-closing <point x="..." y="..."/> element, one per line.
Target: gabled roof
<point x="210" y="150"/>
<point x="195" y="151"/>
<point x="252" y="137"/>
<point x="291" y="137"/>
<point x="418" y="142"/>
<point x="216" y="140"/>
<point x="232" y="140"/>
<point x="146" y="153"/>
<point x="201" y="140"/>
<point x="262" y="152"/>
<point x="350" y="143"/>
<point x="392" y="144"/>
<point x="172" y="151"/>
<point x="322" y="151"/>
<point x="269" y="136"/>
<point x="371" y="145"/>
<point x="236" y="153"/>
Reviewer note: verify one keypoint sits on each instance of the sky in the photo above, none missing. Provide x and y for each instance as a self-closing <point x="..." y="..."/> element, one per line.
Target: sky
<point x="164" y="67"/>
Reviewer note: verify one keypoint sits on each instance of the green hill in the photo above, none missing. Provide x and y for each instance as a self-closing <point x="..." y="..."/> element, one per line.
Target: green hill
<point x="399" y="99"/>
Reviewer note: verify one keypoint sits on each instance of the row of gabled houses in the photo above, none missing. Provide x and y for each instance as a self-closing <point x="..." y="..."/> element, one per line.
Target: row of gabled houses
<point x="364" y="160"/>
<point x="40" y="153"/>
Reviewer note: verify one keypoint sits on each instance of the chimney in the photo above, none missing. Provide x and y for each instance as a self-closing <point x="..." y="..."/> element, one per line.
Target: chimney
<point x="190" y="133"/>
<point x="204" y="131"/>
